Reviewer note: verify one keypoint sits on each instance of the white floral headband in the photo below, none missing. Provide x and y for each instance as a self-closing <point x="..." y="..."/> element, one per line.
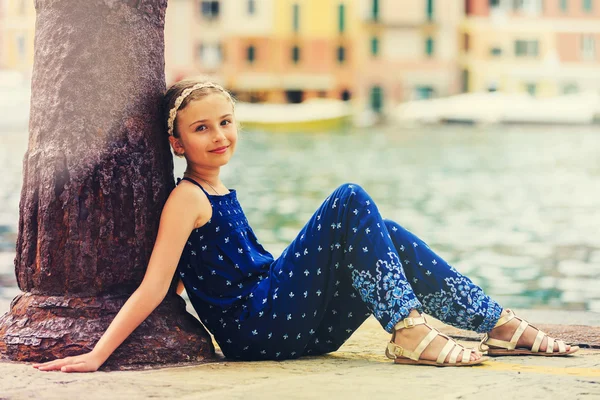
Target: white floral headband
<point x="186" y="93"/>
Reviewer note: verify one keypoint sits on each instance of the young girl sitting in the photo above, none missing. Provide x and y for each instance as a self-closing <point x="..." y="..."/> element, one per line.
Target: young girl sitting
<point x="346" y="264"/>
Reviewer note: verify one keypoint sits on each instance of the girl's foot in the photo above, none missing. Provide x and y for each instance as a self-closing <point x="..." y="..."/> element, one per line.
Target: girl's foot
<point x="410" y="339"/>
<point x="501" y="339"/>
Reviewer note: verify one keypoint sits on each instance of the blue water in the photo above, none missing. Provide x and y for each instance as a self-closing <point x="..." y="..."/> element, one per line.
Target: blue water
<point x="515" y="208"/>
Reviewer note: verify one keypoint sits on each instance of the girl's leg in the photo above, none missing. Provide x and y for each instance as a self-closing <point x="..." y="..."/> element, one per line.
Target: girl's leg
<point x="444" y="293"/>
<point x="451" y="297"/>
<point x="346" y="236"/>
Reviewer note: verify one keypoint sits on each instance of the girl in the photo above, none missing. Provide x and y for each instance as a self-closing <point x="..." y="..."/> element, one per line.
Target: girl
<point x="346" y="264"/>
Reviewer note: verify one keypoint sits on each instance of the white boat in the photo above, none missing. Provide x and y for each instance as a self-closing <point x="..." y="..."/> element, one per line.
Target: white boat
<point x="497" y="107"/>
<point x="311" y="115"/>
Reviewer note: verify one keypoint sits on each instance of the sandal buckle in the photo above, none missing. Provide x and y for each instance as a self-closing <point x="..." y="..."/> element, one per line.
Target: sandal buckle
<point x="409" y="323"/>
<point x="398" y="351"/>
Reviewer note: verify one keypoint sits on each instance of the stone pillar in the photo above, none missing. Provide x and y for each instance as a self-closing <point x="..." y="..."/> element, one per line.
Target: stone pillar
<point x="96" y="174"/>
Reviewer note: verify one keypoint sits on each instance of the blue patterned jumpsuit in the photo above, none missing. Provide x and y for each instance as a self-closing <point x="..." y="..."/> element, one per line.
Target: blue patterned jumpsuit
<point x="346" y="264"/>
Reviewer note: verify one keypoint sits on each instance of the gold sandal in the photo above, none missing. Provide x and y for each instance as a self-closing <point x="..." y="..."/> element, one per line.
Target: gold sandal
<point x="401" y="355"/>
<point x="504" y="348"/>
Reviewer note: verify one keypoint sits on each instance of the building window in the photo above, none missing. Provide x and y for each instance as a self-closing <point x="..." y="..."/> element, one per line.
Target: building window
<point x="250" y="54"/>
<point x="209" y="9"/>
<point x="466" y="42"/>
<point x="295" y="54"/>
<point x="588" y="47"/>
<point x="496" y="51"/>
<point x="429" y="10"/>
<point x="494" y="3"/>
<point x="294" y="96"/>
<point x="429" y="46"/>
<point x="375" y="10"/>
<point x="570" y="88"/>
<point x="564" y="5"/>
<point x="526" y="48"/>
<point x="341" y="18"/>
<point x="341" y="54"/>
<point x="374" y="46"/>
<point x="251" y="7"/>
<point x="529" y="6"/>
<point x="465" y="78"/>
<point x="423" y="92"/>
<point x="377" y="99"/>
<point x="346" y="95"/>
<point x="531" y="88"/>
<point x="587" y="6"/>
<point x="210" y="55"/>
<point x="296" y="17"/>
<point x="21" y="46"/>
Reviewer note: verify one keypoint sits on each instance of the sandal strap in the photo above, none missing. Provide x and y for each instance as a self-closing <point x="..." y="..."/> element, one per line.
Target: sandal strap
<point x="503" y="320"/>
<point x="466" y="356"/>
<point x="550" y="345"/>
<point x="454" y="355"/>
<point x="561" y="346"/>
<point x="538" y="341"/>
<point x="410" y="322"/>
<point x="450" y="344"/>
<point x="451" y="347"/>
<point x="518" y="333"/>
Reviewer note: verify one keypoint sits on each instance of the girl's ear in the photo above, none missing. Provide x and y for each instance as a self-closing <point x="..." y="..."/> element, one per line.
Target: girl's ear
<point x="176" y="144"/>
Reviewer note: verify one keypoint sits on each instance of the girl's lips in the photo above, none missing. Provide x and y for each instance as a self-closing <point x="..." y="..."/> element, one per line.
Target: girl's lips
<point x="220" y="150"/>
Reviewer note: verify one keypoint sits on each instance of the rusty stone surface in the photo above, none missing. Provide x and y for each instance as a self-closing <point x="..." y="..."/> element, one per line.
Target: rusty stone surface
<point x="43" y="328"/>
<point x="96" y="174"/>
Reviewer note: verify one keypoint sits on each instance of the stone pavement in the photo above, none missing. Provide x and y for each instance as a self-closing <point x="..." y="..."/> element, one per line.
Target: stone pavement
<point x="358" y="370"/>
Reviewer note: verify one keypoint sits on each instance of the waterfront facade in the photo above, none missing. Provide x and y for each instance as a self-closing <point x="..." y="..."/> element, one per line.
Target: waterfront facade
<point x="406" y="51"/>
<point x="544" y="47"/>
<point x="17" y="29"/>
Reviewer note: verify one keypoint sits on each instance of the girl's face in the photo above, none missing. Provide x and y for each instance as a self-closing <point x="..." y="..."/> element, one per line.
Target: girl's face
<point x="207" y="131"/>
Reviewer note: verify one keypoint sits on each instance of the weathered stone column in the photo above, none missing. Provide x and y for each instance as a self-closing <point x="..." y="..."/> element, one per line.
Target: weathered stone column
<point x="96" y="174"/>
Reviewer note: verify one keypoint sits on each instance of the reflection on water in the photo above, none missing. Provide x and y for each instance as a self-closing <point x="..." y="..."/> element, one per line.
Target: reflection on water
<point x="515" y="208"/>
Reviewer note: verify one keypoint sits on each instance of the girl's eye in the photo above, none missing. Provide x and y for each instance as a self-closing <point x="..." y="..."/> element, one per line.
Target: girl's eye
<point x="225" y="122"/>
<point x="201" y="128"/>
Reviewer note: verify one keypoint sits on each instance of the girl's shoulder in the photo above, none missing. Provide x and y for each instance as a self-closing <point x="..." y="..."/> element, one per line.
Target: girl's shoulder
<point x="190" y="202"/>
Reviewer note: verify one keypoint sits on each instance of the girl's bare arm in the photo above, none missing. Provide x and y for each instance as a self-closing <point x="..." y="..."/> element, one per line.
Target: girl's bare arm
<point x="184" y="207"/>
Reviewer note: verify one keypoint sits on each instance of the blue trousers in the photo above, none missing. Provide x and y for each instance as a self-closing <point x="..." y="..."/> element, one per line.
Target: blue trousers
<point x="346" y="264"/>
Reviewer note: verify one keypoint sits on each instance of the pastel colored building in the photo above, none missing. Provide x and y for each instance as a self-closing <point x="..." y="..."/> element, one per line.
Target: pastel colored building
<point x="267" y="50"/>
<point x="406" y="50"/>
<point x="544" y="47"/>
<point x="17" y="31"/>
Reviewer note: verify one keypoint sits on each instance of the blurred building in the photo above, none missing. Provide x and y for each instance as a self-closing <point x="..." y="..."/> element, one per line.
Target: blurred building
<point x="406" y="50"/>
<point x="17" y="30"/>
<point x="266" y="50"/>
<point x="544" y="47"/>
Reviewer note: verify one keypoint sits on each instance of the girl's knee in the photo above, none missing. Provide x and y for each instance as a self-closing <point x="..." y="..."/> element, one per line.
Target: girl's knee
<point x="353" y="188"/>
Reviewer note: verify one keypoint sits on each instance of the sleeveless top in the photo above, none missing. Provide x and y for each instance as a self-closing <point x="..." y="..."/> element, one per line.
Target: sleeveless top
<point x="222" y="262"/>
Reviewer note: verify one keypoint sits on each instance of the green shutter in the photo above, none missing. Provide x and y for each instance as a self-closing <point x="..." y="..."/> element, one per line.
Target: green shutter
<point x="564" y="5"/>
<point x="296" y="54"/>
<point x="587" y="5"/>
<point x="429" y="46"/>
<point x="374" y="46"/>
<point x="296" y="17"/>
<point x="430" y="10"/>
<point x="250" y="54"/>
<point x="375" y="10"/>
<point x="341" y="18"/>
<point x="376" y="99"/>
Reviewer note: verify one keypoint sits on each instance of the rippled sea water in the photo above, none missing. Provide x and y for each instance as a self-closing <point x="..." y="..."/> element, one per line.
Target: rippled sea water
<point x="515" y="208"/>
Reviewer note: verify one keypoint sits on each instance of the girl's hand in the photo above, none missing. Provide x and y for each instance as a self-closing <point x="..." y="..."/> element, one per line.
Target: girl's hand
<point x="87" y="362"/>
